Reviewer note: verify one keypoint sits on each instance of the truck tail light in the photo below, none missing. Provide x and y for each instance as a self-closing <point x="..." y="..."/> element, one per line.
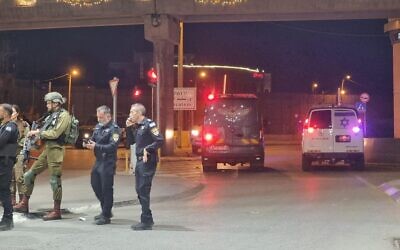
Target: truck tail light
<point x="310" y="130"/>
<point x="208" y="137"/>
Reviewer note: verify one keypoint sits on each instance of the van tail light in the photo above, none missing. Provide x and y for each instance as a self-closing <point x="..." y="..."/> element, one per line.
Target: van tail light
<point x="356" y="130"/>
<point x="305" y="125"/>
<point x="310" y="130"/>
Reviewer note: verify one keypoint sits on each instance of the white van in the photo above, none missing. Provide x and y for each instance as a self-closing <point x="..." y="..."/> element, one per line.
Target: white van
<point x="332" y="134"/>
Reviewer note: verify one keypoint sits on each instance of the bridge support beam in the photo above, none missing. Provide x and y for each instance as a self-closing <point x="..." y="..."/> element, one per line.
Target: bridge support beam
<point x="393" y="28"/>
<point x="163" y="32"/>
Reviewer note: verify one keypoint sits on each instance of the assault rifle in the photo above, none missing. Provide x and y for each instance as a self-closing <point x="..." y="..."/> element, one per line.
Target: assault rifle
<point x="31" y="141"/>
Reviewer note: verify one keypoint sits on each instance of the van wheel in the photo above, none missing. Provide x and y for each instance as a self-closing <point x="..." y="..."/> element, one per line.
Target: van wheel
<point x="306" y="164"/>
<point x="210" y="167"/>
<point x="257" y="165"/>
<point x="358" y="164"/>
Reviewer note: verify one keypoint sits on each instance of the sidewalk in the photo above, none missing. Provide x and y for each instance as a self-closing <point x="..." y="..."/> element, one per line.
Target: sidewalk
<point x="78" y="196"/>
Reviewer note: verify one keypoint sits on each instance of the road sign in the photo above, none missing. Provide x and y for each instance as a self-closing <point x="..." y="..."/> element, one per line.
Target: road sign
<point x="364" y="97"/>
<point x="113" y="85"/>
<point x="184" y="98"/>
<point x="361" y="107"/>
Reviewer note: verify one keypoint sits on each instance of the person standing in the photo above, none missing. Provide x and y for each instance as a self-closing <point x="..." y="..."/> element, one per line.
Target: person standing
<point x="145" y="134"/>
<point x="17" y="183"/>
<point x="104" y="142"/>
<point x="52" y="134"/>
<point x="8" y="149"/>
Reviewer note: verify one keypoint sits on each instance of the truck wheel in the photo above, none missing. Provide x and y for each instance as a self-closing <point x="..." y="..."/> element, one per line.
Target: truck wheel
<point x="257" y="165"/>
<point x="358" y="164"/>
<point x="306" y="164"/>
<point x="209" y="166"/>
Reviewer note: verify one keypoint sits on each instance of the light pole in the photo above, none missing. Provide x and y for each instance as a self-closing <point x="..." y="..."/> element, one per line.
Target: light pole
<point x="73" y="72"/>
<point x="341" y="90"/>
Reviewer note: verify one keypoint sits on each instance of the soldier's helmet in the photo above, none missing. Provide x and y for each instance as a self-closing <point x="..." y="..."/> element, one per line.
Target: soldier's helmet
<point x="54" y="97"/>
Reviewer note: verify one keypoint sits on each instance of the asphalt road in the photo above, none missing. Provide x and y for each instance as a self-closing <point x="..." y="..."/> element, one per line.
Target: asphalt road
<point x="234" y="208"/>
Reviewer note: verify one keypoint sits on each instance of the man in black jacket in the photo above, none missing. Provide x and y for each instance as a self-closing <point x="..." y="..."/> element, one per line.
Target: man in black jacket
<point x="104" y="142"/>
<point x="145" y="134"/>
<point x="8" y="149"/>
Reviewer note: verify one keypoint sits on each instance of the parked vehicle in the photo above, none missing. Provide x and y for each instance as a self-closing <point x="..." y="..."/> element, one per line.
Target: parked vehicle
<point x="232" y="132"/>
<point x="332" y="134"/>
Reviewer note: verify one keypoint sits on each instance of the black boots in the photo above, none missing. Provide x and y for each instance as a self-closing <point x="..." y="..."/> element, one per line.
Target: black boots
<point x="102" y="220"/>
<point x="143" y="226"/>
<point x="6" y="223"/>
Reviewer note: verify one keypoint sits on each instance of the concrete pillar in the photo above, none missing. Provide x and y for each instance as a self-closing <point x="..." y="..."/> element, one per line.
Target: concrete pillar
<point x="163" y="32"/>
<point x="393" y="28"/>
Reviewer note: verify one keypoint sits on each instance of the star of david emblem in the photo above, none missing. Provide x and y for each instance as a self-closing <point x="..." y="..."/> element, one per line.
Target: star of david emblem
<point x="344" y="122"/>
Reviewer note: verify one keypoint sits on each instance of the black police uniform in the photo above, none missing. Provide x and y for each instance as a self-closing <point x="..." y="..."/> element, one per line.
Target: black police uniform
<point x="8" y="149"/>
<point x="102" y="177"/>
<point x="146" y="136"/>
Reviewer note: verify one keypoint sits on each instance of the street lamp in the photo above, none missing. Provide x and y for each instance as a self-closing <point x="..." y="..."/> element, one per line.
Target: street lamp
<point x="314" y="87"/>
<point x="203" y="74"/>
<point x="341" y="90"/>
<point x="73" y="72"/>
<point x="346" y="77"/>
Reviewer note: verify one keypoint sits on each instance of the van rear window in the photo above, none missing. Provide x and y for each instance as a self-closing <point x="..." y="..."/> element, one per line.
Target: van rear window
<point x="321" y="119"/>
<point x="236" y="111"/>
<point x="344" y="119"/>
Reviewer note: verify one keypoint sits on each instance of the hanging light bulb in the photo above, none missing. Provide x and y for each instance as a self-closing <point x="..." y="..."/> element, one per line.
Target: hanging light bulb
<point x="83" y="3"/>
<point x="221" y="2"/>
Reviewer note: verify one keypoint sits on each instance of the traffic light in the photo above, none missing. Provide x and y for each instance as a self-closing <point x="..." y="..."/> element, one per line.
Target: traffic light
<point x="136" y="93"/>
<point x="152" y="77"/>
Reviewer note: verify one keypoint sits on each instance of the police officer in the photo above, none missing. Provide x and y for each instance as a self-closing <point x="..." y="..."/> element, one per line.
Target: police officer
<point x="145" y="134"/>
<point x="52" y="133"/>
<point x="104" y="142"/>
<point x="8" y="150"/>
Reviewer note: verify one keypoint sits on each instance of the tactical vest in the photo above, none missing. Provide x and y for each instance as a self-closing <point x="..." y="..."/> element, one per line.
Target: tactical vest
<point x="10" y="149"/>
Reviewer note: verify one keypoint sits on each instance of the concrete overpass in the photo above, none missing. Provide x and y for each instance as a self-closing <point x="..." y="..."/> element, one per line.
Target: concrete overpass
<point x="160" y="18"/>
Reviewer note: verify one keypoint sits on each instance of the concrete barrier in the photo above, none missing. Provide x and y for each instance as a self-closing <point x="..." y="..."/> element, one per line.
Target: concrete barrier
<point x="382" y="150"/>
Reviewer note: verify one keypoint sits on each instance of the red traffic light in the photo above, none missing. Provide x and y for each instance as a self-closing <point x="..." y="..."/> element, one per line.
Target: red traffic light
<point x="258" y="75"/>
<point x="211" y="96"/>
<point x="152" y="76"/>
<point x="136" y="93"/>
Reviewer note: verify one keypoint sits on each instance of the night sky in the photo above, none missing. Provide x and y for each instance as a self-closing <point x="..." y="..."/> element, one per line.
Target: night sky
<point x="295" y="53"/>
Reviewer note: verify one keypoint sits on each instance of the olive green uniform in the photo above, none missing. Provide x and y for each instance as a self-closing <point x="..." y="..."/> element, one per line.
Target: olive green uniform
<point x="52" y="156"/>
<point x="17" y="182"/>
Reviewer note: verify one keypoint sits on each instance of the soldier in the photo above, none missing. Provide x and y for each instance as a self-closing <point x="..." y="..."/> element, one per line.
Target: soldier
<point x="145" y="134"/>
<point x="8" y="149"/>
<point x="53" y="135"/>
<point x="104" y="142"/>
<point x="17" y="184"/>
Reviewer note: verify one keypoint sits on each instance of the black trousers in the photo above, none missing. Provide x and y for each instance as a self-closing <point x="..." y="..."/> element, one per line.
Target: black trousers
<point x="102" y="181"/>
<point x="6" y="166"/>
<point x="144" y="173"/>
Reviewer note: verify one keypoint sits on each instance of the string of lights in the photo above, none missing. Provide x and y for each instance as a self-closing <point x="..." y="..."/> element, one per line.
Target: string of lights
<point x="220" y="2"/>
<point x="83" y="3"/>
<point x="220" y="67"/>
